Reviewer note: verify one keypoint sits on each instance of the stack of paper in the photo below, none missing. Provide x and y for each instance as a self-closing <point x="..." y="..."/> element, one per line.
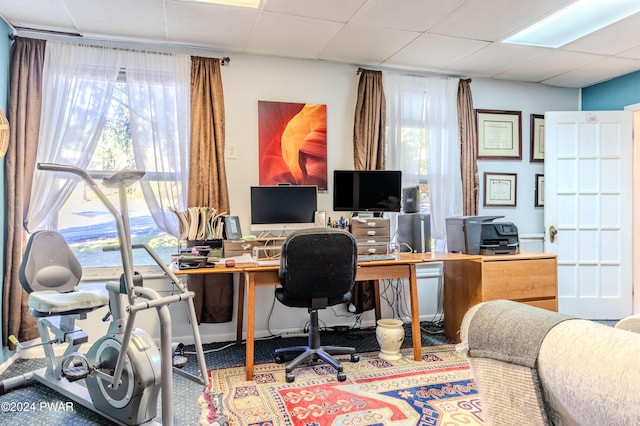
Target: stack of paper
<point x="200" y="223"/>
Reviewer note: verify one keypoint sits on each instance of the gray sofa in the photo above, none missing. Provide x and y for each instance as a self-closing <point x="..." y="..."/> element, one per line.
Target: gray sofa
<point x="537" y="367"/>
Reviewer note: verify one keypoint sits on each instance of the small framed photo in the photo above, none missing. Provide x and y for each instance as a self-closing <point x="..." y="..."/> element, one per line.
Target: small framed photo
<point x="539" y="191"/>
<point x="500" y="189"/>
<point x="499" y="134"/>
<point x="537" y="138"/>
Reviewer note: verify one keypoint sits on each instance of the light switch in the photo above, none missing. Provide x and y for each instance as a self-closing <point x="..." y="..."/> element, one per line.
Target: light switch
<point x="232" y="151"/>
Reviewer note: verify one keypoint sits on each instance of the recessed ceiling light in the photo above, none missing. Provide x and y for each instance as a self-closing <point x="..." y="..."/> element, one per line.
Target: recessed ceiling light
<point x="578" y="19"/>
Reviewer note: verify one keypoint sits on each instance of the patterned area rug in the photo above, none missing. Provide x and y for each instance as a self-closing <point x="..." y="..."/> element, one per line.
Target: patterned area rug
<point x="437" y="391"/>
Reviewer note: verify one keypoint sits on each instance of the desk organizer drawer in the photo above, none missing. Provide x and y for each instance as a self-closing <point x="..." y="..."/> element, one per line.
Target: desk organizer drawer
<point x="372" y="240"/>
<point x="369" y="223"/>
<point x="373" y="232"/>
<point x="373" y="248"/>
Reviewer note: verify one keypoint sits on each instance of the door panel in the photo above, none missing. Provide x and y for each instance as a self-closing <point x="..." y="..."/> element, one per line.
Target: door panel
<point x="588" y="199"/>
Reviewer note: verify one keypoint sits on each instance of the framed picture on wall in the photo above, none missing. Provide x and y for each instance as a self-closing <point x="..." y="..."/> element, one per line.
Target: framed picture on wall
<point x="292" y="144"/>
<point x="499" y="134"/>
<point x="500" y="189"/>
<point x="539" y="202"/>
<point x="537" y="138"/>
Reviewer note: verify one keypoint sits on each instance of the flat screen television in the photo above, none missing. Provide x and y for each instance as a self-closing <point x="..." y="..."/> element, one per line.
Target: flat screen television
<point x="367" y="190"/>
<point x="283" y="207"/>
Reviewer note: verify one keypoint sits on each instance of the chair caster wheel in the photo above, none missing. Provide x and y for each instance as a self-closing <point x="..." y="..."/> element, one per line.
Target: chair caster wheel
<point x="290" y="377"/>
<point x="355" y="357"/>
<point x="342" y="376"/>
<point x="279" y="359"/>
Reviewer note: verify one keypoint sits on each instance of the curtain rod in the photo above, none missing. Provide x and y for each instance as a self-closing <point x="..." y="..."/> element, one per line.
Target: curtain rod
<point x="413" y="73"/>
<point x="116" y="44"/>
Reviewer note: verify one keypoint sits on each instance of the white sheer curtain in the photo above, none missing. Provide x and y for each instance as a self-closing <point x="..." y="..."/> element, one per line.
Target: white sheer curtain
<point x="77" y="88"/>
<point x="77" y="84"/>
<point x="425" y="107"/>
<point x="159" y="88"/>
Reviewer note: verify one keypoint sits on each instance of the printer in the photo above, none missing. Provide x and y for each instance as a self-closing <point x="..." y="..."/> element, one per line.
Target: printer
<point x="481" y="235"/>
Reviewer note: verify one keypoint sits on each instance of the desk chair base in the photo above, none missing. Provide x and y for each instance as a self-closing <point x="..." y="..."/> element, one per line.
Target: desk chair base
<point x="315" y="352"/>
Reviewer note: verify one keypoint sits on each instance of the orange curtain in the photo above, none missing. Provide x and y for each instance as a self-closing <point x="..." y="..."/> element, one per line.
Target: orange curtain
<point x="369" y="130"/>
<point x="208" y="180"/>
<point x="25" y="99"/>
<point x="468" y="149"/>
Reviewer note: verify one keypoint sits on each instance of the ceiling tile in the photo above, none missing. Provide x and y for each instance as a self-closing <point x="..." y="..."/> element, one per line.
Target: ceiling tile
<point x="411" y="15"/>
<point x="435" y="52"/>
<point x="122" y="18"/>
<point x="493" y="20"/>
<point x="497" y="56"/>
<point x="610" y="40"/>
<point x="356" y="44"/>
<point x="220" y="27"/>
<point x="37" y="14"/>
<point x="290" y="36"/>
<point x="330" y="10"/>
<point x="631" y="53"/>
<point x="548" y="64"/>
<point x="595" y="73"/>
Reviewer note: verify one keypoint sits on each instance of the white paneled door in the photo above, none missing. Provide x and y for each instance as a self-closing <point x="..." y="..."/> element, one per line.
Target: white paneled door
<point x="588" y="210"/>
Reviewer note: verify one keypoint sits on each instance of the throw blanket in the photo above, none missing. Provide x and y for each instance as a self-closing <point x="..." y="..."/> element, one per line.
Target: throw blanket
<point x="502" y="340"/>
<point x="511" y="332"/>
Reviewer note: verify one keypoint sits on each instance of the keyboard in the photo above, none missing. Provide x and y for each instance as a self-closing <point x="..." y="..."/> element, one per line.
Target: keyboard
<point x="373" y="257"/>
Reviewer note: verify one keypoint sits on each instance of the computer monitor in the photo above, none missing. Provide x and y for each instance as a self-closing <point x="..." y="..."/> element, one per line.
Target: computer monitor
<point x="283" y="207"/>
<point x="367" y="190"/>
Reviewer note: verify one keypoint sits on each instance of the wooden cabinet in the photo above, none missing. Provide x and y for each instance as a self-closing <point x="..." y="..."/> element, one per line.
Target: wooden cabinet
<point x="530" y="278"/>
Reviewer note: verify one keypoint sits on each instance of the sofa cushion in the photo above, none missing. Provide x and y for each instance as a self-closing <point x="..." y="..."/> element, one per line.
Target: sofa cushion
<point x="591" y="374"/>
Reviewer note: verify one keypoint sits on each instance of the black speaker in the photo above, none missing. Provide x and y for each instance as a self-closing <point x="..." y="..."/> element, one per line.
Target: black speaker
<point x="411" y="199"/>
<point x="414" y="232"/>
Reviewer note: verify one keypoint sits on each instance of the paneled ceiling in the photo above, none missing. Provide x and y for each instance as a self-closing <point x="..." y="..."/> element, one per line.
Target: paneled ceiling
<point x="454" y="37"/>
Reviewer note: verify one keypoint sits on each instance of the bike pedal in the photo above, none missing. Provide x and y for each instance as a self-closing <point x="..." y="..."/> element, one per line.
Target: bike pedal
<point x="179" y="361"/>
<point x="75" y="367"/>
<point x="75" y="373"/>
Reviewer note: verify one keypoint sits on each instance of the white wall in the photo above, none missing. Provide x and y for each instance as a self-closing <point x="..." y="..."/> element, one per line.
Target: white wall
<point x="529" y="98"/>
<point x="249" y="79"/>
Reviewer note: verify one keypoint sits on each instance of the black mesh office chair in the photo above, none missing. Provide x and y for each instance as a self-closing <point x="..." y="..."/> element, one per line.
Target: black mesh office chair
<point x="317" y="269"/>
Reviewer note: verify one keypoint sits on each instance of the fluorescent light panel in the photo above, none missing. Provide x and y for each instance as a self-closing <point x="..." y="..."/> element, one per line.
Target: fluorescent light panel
<point x="576" y="20"/>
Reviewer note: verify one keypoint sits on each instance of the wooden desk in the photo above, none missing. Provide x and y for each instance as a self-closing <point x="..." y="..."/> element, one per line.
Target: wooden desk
<point x="468" y="279"/>
<point x="530" y="278"/>
<point x="404" y="267"/>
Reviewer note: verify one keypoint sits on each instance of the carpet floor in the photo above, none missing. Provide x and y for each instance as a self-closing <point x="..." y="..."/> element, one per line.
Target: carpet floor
<point x="36" y="404"/>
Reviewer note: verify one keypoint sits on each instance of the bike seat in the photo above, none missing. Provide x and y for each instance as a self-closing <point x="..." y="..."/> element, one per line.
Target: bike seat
<point x="85" y="299"/>
<point x="50" y="273"/>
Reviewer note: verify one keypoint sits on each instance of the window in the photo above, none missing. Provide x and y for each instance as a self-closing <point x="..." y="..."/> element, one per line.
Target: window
<point x="413" y="143"/>
<point x="105" y="109"/>
<point x="423" y="142"/>
<point x="84" y="220"/>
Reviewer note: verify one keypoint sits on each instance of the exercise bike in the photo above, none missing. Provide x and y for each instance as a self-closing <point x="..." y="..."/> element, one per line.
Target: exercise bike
<point x="125" y="370"/>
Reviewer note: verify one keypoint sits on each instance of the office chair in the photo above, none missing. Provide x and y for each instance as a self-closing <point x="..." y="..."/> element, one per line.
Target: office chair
<point x="317" y="269"/>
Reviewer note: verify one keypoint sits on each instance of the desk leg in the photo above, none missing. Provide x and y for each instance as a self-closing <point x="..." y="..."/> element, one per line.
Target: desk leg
<point x="242" y="282"/>
<point x="376" y="299"/>
<point x="251" y="308"/>
<point x="415" y="314"/>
